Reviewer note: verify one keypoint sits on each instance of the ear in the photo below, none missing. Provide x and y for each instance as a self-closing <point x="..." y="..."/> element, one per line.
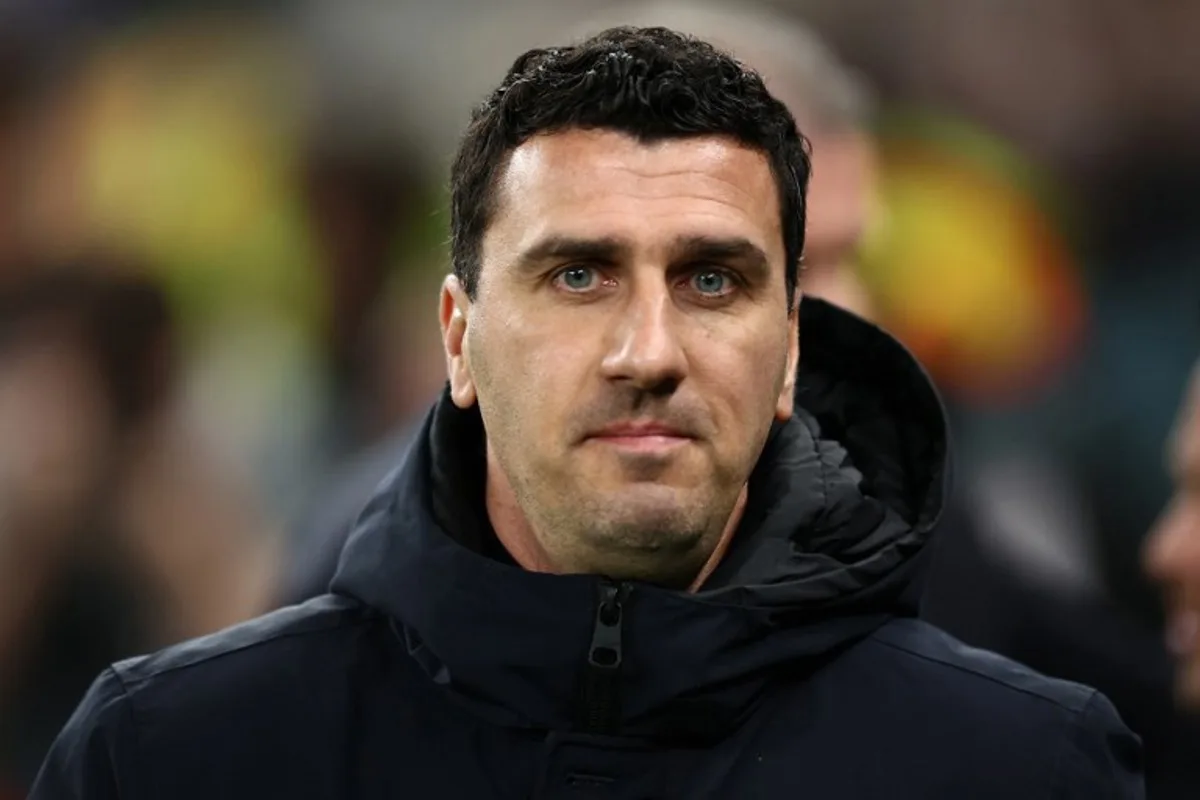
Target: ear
<point x="454" y="311"/>
<point x="786" y="401"/>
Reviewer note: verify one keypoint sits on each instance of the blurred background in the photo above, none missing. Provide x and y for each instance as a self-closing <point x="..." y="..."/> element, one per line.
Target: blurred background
<point x="221" y="239"/>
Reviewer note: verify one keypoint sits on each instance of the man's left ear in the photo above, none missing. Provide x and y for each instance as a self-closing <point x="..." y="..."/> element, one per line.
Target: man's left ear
<point x="787" y="392"/>
<point x="453" y="312"/>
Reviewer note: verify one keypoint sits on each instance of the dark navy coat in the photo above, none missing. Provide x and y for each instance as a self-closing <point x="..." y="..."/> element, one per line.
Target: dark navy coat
<point x="438" y="669"/>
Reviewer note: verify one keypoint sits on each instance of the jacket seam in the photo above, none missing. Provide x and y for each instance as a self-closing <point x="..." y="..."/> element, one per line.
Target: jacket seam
<point x="986" y="677"/>
<point x="209" y="657"/>
<point x="135" y="744"/>
<point x="1056" y="773"/>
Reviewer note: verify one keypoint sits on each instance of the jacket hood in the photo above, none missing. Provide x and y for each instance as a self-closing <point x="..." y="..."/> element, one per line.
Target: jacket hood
<point x="840" y="507"/>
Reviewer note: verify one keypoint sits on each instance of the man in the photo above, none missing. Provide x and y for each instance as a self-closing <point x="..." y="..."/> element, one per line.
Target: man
<point x="830" y="105"/>
<point x="636" y="550"/>
<point x="1173" y="550"/>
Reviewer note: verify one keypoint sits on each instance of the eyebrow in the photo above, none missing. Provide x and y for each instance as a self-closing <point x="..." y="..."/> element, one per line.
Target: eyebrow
<point x="750" y="257"/>
<point x="570" y="248"/>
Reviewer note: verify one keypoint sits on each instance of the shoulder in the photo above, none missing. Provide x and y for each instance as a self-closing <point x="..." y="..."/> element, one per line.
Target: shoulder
<point x="922" y="647"/>
<point x="249" y="646"/>
<point x="214" y="692"/>
<point x="266" y="666"/>
<point x="1006" y="707"/>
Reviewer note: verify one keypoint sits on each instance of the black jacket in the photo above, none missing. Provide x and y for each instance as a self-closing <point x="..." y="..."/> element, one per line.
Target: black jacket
<point x="437" y="669"/>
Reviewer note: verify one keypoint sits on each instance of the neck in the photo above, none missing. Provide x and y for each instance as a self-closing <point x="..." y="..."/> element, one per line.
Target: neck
<point x="722" y="546"/>
<point x="512" y="526"/>
<point x="517" y="535"/>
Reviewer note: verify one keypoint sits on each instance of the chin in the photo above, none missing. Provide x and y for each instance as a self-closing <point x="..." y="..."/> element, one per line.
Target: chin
<point x="673" y="564"/>
<point x="650" y="517"/>
<point x="1187" y="682"/>
<point x="650" y="505"/>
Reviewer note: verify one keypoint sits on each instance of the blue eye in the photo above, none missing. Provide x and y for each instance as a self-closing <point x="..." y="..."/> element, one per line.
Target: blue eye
<point x="711" y="282"/>
<point x="577" y="279"/>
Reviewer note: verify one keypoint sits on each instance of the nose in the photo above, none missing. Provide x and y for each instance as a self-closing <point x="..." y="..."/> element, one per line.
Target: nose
<point x="1172" y="551"/>
<point x="645" y="350"/>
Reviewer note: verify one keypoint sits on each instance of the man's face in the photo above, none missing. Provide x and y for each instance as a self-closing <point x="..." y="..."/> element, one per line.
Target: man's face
<point x="839" y="205"/>
<point x="1173" y="551"/>
<point x="629" y="344"/>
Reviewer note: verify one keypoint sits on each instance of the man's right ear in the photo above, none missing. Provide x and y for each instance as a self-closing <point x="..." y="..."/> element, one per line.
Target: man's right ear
<point x="454" y="313"/>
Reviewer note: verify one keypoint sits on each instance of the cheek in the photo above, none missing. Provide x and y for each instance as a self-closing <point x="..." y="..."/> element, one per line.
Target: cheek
<point x="1173" y="552"/>
<point x="747" y="373"/>
<point x="524" y="380"/>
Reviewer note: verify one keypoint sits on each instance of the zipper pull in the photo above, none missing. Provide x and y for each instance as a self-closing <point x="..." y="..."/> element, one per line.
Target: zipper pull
<point x="605" y="652"/>
<point x="602" y="678"/>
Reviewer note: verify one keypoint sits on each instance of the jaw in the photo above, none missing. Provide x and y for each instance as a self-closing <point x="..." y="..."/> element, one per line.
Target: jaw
<point x="1187" y="681"/>
<point x="647" y="531"/>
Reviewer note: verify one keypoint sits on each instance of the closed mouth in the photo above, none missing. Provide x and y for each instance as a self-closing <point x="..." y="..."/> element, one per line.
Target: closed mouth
<point x="1183" y="633"/>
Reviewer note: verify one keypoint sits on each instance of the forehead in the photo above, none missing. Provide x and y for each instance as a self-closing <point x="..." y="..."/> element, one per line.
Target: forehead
<point x="605" y="183"/>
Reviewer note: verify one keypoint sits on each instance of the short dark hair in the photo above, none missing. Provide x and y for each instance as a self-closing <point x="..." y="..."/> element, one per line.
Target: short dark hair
<point x="650" y="83"/>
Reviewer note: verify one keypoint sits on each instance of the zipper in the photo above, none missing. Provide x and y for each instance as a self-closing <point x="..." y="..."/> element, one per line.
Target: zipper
<point x="601" y="701"/>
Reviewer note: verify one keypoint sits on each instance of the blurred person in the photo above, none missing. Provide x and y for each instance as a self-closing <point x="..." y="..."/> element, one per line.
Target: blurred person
<point x="1040" y="562"/>
<point x="1173" y="550"/>
<point x="831" y="106"/>
<point x="1017" y="575"/>
<point x="113" y="540"/>
<point x="373" y="204"/>
<point x="639" y="548"/>
<point x="359" y="200"/>
<point x="24" y="59"/>
<point x="277" y="225"/>
<point x="371" y="221"/>
<point x="1101" y="101"/>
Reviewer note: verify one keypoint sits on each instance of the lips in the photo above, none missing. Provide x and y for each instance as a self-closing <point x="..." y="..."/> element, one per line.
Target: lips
<point x="1183" y="633"/>
<point x="650" y="439"/>
<point x="640" y="431"/>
